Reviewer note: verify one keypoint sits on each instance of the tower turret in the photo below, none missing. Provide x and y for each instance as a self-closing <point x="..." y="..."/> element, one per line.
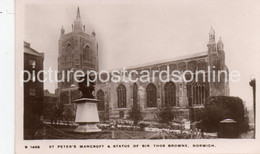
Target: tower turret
<point x="212" y="35"/>
<point x="211" y="43"/>
<point x="216" y="62"/>
<point x="221" y="53"/>
<point x="93" y="33"/>
<point x="220" y="45"/>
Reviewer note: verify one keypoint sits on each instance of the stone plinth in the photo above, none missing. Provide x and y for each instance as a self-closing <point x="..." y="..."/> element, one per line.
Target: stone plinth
<point x="87" y="115"/>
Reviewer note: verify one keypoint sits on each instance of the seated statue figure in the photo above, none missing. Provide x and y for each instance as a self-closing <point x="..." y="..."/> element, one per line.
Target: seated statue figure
<point x="87" y="91"/>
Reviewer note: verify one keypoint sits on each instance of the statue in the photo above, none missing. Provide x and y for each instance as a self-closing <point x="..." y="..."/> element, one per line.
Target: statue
<point x="87" y="91"/>
<point x="87" y="114"/>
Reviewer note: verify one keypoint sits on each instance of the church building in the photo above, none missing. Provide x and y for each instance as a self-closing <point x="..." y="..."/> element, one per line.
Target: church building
<point x="79" y="51"/>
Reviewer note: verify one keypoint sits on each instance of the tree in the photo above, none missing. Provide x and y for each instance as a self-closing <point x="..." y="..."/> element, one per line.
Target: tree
<point x="218" y="108"/>
<point x="58" y="111"/>
<point x="48" y="111"/>
<point x="135" y="114"/>
<point x="68" y="115"/>
<point x="107" y="112"/>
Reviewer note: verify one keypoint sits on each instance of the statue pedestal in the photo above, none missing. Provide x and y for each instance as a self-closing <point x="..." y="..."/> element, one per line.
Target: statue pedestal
<point x="87" y="115"/>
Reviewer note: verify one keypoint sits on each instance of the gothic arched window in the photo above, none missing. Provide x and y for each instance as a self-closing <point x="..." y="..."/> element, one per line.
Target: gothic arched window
<point x="86" y="53"/>
<point x="121" y="96"/>
<point x="197" y="94"/>
<point x="170" y="94"/>
<point x="207" y="93"/>
<point x="101" y="98"/>
<point x="69" y="47"/>
<point x="151" y="94"/>
<point x="135" y="92"/>
<point x="189" y="94"/>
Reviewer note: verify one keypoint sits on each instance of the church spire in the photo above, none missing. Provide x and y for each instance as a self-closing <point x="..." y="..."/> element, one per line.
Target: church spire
<point x="77" y="22"/>
<point x="78" y="14"/>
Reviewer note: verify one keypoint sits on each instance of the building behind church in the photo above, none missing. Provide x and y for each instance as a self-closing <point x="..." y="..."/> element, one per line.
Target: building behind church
<point x="78" y="50"/>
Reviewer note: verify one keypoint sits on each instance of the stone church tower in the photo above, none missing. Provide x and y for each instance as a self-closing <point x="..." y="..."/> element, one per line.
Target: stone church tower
<point x="78" y="50"/>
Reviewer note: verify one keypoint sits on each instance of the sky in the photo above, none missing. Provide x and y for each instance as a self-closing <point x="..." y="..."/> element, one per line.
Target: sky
<point x="130" y="33"/>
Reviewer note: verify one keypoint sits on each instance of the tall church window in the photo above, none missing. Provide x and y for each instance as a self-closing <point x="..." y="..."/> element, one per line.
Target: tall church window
<point x="194" y="94"/>
<point x="69" y="47"/>
<point x="207" y="94"/>
<point x="135" y="92"/>
<point x="86" y="53"/>
<point x="201" y="98"/>
<point x="203" y="93"/>
<point x="189" y="94"/>
<point x="151" y="93"/>
<point x="170" y="94"/>
<point x="198" y="94"/>
<point x="101" y="98"/>
<point x="81" y="60"/>
<point x="121" y="96"/>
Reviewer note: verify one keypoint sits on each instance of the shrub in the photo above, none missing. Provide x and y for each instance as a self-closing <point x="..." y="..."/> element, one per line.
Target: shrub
<point x="107" y="112"/>
<point x="142" y="126"/>
<point x="68" y="115"/>
<point x="218" y="108"/>
<point x="166" y="115"/>
<point x="48" y="111"/>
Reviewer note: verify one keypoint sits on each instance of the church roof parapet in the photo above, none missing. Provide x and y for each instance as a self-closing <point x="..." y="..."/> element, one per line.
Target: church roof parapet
<point x="168" y="61"/>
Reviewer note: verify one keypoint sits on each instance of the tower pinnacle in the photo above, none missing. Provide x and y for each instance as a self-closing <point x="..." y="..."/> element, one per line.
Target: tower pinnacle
<point x="62" y="31"/>
<point x="220" y="44"/>
<point x="212" y="35"/>
<point x="212" y="31"/>
<point x="93" y="33"/>
<point x="78" y="14"/>
<point x="77" y="22"/>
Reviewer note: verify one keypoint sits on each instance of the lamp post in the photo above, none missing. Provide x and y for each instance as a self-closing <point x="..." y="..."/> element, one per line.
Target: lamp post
<point x="252" y="83"/>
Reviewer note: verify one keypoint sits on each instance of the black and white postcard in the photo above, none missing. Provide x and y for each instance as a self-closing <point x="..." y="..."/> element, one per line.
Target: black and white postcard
<point x="136" y="76"/>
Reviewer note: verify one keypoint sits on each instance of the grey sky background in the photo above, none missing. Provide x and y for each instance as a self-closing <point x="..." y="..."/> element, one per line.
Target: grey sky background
<point x="132" y="33"/>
